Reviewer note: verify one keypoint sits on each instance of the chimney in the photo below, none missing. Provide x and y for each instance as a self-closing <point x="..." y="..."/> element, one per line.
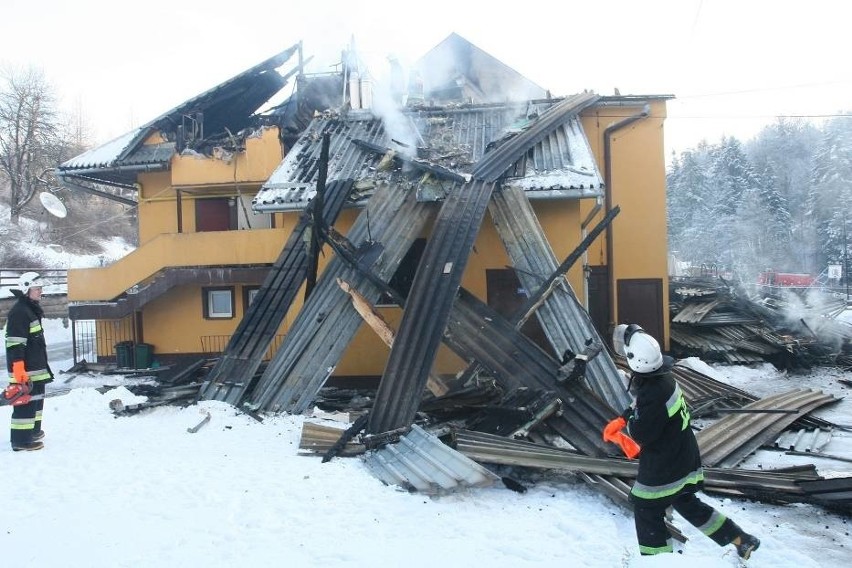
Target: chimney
<point x="366" y="93"/>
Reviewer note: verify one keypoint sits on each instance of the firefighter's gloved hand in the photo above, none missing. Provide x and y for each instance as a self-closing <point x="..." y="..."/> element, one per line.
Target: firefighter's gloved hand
<point x="612" y="428"/>
<point x="19" y="373"/>
<point x="612" y="433"/>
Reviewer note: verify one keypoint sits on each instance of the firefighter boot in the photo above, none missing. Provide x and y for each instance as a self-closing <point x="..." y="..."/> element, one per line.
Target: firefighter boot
<point x="27" y="446"/>
<point x="746" y="545"/>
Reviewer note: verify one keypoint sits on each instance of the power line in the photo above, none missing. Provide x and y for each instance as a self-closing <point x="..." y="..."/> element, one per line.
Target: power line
<point x="765" y="89"/>
<point x="756" y="116"/>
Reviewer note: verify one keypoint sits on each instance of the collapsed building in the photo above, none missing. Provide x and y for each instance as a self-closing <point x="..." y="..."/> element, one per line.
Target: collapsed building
<point x="486" y="240"/>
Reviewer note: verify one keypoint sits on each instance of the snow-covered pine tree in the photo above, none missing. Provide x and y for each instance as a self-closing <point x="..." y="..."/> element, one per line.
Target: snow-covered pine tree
<point x="830" y="195"/>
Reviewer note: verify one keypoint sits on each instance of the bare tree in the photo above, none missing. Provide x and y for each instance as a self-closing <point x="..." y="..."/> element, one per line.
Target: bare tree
<point x="29" y="134"/>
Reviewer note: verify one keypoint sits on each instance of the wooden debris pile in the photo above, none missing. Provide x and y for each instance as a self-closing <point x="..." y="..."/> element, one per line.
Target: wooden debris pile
<point x="717" y="322"/>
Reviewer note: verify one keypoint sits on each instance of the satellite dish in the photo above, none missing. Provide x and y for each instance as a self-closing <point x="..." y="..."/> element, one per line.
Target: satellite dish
<point x="53" y="204"/>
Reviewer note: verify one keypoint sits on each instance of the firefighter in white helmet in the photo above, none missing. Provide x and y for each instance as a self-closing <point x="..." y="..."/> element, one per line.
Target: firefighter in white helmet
<point x="26" y="361"/>
<point x="670" y="471"/>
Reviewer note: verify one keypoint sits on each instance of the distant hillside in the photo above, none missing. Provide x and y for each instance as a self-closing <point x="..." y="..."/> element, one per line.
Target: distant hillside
<point x="95" y="232"/>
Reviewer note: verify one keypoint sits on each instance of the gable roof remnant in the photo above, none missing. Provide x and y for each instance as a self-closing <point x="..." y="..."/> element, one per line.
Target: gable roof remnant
<point x="230" y="106"/>
<point x="455" y="69"/>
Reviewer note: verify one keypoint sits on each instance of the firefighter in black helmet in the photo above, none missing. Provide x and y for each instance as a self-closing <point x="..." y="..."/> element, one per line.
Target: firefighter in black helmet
<point x="26" y="361"/>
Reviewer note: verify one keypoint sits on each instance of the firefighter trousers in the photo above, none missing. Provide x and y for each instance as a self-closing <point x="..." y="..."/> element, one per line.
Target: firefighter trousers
<point x="654" y="537"/>
<point x="26" y="418"/>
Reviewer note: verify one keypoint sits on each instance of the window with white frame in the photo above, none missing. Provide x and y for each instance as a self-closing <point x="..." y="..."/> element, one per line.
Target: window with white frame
<point x="218" y="303"/>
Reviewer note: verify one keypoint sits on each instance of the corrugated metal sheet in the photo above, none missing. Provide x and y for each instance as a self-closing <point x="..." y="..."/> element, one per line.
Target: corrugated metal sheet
<point x="327" y="322"/>
<point x="420" y="461"/>
<point x="428" y="307"/>
<point x="565" y="322"/>
<point x="695" y="312"/>
<point x="496" y="162"/>
<point x="476" y="332"/>
<point x="103" y="155"/>
<point x="293" y="183"/>
<point x="613" y="475"/>
<point x="835" y="493"/>
<point x="712" y="345"/>
<point x="230" y="378"/>
<point x="728" y="441"/>
<point x="698" y="388"/>
<point x="560" y="163"/>
<point x="803" y="440"/>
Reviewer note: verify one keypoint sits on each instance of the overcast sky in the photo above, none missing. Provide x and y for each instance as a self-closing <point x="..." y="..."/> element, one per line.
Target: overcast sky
<point x="732" y="64"/>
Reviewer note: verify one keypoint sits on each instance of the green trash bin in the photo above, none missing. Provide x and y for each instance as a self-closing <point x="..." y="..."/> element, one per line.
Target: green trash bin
<point x="144" y="355"/>
<point x="124" y="355"/>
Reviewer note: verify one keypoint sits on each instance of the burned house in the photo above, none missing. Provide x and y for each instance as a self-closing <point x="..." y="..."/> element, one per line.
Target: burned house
<point x="482" y="238"/>
<point x="200" y="173"/>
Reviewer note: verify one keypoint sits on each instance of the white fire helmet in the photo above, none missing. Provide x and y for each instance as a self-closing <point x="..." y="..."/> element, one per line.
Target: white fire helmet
<point x="29" y="280"/>
<point x="641" y="350"/>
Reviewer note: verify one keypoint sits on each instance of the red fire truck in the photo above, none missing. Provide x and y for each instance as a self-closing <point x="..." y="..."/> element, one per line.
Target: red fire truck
<point x="786" y="279"/>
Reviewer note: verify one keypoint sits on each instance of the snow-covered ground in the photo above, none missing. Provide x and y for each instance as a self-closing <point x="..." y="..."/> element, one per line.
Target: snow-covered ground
<point x="142" y="491"/>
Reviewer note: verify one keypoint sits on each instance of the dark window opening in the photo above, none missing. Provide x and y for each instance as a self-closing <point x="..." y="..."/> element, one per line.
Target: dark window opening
<point x="404" y="275"/>
<point x="249" y="295"/>
<point x="507" y="296"/>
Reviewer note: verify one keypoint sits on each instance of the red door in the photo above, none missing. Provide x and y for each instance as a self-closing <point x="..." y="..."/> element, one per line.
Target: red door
<point x="214" y="214"/>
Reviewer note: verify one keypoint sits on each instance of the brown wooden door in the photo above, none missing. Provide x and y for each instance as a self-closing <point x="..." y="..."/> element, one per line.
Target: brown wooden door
<point x="214" y="214"/>
<point x="506" y="296"/>
<point x="640" y="300"/>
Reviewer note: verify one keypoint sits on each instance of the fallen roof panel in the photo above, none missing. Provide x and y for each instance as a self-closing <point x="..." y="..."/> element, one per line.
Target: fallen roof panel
<point x="229" y="380"/>
<point x="566" y="323"/>
<point x="428" y="307"/>
<point x="327" y="322"/>
<point x="421" y="461"/>
<point x="728" y="441"/>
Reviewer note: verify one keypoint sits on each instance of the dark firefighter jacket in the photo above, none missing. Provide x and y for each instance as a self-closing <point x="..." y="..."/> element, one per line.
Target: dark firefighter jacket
<point x="670" y="462"/>
<point x="25" y="340"/>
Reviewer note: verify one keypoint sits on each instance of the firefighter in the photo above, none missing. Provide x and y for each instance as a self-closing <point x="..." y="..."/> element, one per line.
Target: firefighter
<point x="670" y="470"/>
<point x="26" y="361"/>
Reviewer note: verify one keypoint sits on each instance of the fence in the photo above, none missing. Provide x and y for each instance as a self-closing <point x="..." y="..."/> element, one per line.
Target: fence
<point x="85" y="338"/>
<point x="216" y="344"/>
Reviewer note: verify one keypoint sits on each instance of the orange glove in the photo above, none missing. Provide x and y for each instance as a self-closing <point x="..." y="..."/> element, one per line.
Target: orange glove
<point x="612" y="433"/>
<point x="19" y="373"/>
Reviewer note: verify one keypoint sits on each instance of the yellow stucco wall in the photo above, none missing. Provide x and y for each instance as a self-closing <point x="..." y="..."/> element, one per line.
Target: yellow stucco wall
<point x="220" y="248"/>
<point x="201" y="176"/>
<point x="638" y="186"/>
<point x="262" y="155"/>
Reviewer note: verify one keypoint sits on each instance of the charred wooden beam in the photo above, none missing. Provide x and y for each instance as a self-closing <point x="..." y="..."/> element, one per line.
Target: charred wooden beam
<point x="377" y="323"/>
<point x="417" y="164"/>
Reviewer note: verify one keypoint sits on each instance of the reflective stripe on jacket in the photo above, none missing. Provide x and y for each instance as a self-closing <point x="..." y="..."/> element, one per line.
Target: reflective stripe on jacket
<point x="670" y="461"/>
<point x="25" y="340"/>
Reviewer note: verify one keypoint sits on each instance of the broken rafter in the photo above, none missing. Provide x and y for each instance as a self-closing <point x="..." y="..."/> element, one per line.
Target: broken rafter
<point x="418" y="164"/>
<point x="378" y="324"/>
